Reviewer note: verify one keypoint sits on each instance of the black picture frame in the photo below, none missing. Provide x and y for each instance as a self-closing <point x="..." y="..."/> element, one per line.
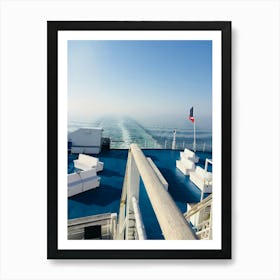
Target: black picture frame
<point x="53" y="27"/>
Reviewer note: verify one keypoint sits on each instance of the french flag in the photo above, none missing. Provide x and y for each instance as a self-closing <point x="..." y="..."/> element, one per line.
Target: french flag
<point x="191" y="117"/>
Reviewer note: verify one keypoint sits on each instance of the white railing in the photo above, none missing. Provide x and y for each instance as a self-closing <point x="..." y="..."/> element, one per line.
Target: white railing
<point x="199" y="206"/>
<point x="165" y="144"/>
<point x="204" y="210"/>
<point x="171" y="220"/>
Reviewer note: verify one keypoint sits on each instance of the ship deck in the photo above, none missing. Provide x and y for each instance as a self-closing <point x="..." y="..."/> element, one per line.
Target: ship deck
<point x="106" y="198"/>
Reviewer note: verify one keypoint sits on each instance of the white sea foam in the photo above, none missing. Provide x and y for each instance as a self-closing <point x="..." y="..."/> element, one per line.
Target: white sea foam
<point x="125" y="136"/>
<point x="124" y="131"/>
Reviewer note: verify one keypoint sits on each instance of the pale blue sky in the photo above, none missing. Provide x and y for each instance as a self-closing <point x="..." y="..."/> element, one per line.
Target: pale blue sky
<point x="142" y="79"/>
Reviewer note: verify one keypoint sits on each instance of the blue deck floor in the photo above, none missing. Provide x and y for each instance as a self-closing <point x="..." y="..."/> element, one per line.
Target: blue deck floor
<point x="106" y="198"/>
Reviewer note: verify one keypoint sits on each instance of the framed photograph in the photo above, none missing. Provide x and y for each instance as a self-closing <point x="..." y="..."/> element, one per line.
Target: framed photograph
<point x="139" y="140"/>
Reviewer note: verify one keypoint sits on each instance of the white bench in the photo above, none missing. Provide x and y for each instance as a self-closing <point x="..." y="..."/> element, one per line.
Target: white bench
<point x="203" y="179"/>
<point x="82" y="181"/>
<point x="85" y="162"/>
<point x="185" y="166"/>
<point x="188" y="154"/>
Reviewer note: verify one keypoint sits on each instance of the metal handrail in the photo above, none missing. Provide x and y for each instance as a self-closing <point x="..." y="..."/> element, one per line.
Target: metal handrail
<point x="172" y="222"/>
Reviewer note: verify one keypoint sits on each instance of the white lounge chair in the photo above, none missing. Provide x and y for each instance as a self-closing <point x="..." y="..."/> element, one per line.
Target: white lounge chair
<point x="188" y="154"/>
<point x="201" y="178"/>
<point x="85" y="162"/>
<point x="185" y="166"/>
<point x="82" y="181"/>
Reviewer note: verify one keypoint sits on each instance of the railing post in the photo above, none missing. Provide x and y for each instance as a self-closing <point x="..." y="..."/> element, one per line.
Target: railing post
<point x="123" y="204"/>
<point x="140" y="228"/>
<point x="133" y="181"/>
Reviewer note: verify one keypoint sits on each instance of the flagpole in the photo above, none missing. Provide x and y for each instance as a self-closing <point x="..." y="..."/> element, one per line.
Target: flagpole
<point x="192" y="119"/>
<point x="194" y="140"/>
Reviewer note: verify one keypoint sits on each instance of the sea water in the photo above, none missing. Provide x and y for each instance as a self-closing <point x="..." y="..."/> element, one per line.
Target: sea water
<point x="123" y="131"/>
